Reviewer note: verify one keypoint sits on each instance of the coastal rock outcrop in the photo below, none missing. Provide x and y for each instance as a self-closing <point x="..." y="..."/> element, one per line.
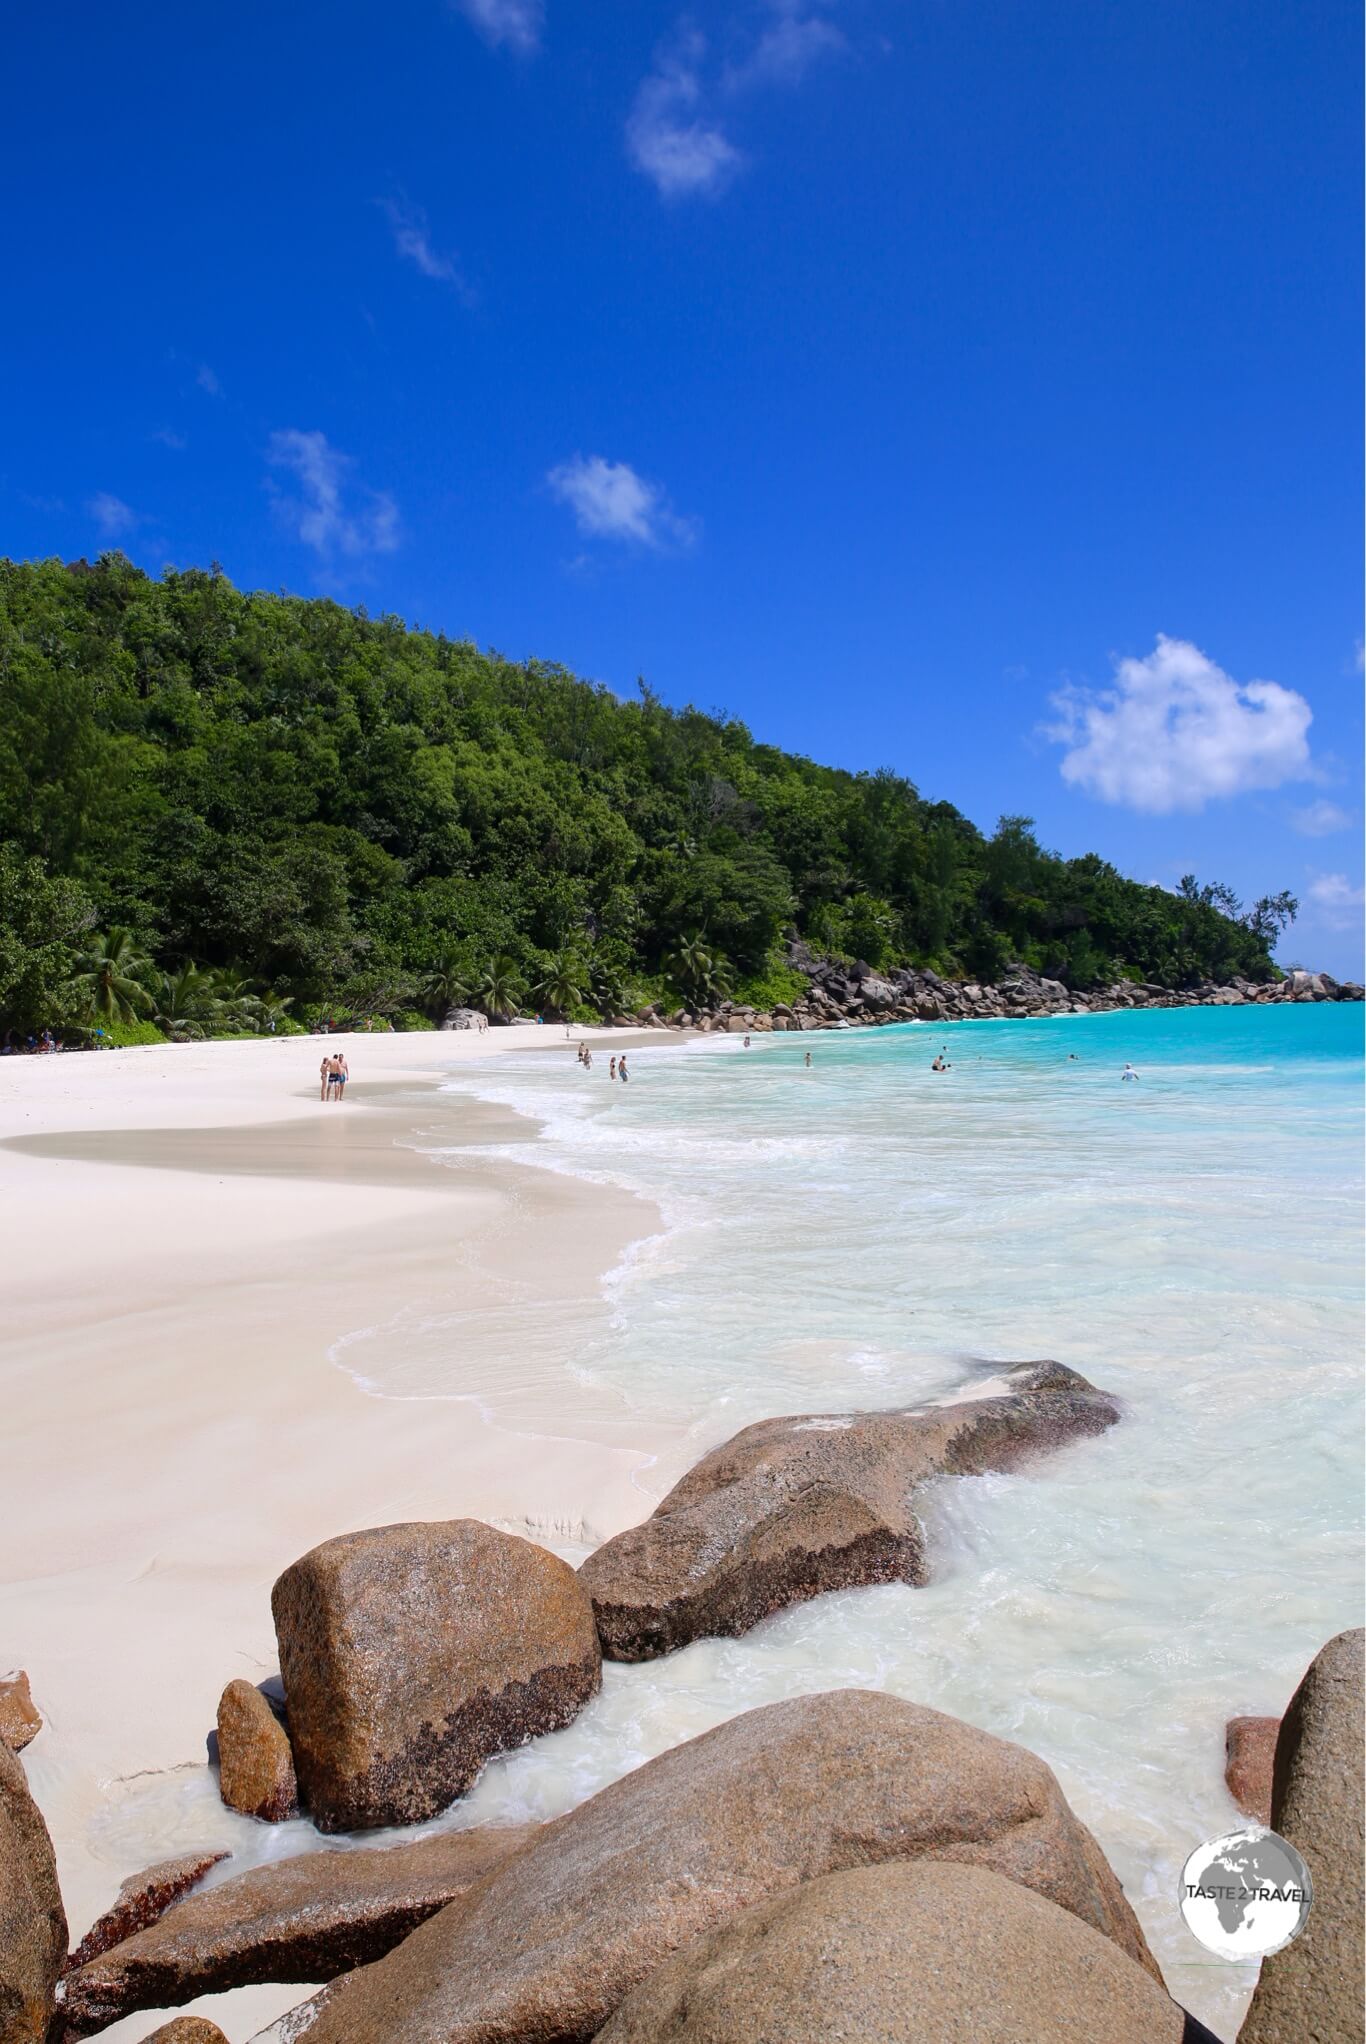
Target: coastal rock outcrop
<point x="32" y="1919"/>
<point x="793" y="1507"/>
<point x="902" y="1953"/>
<point x="1249" y="1756"/>
<point x="306" y="1919"/>
<point x="1310" y="1992"/>
<point x="141" y="1899"/>
<point x="255" y="1763"/>
<point x="550" y="1943"/>
<point x="410" y="1654"/>
<point x="188" y="2030"/>
<point x="20" y="1718"/>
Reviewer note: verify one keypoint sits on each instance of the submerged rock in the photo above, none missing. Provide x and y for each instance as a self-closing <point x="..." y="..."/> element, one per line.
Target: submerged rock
<point x="411" y="1654"/>
<point x="20" y="1718"/>
<point x="255" y="1763"/>
<point x="793" y="1507"/>
<point x="32" y="1919"/>
<point x="1249" y="1753"/>
<point x="551" y="1941"/>
<point x="306" y="1919"/>
<point x="1311" y="1991"/>
<point x="141" y="1900"/>
<point x="907" y="1953"/>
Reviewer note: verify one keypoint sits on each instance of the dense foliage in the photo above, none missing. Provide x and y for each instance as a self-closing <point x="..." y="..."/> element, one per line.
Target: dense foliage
<point x="213" y="805"/>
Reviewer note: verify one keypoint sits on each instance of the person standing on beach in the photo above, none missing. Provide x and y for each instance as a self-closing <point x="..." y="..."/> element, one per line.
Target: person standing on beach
<point x="342" y="1074"/>
<point x="324" y="1078"/>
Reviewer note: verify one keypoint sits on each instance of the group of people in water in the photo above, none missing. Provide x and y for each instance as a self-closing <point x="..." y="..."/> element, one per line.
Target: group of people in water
<point x="616" y="1068"/>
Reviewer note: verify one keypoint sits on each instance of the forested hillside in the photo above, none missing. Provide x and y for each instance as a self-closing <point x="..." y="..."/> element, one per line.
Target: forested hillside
<point x="217" y="808"/>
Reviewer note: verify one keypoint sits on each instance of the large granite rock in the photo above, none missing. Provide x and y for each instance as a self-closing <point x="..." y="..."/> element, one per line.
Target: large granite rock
<point x="142" y="1898"/>
<point x="902" y="1954"/>
<point x="412" y="1653"/>
<point x="1249" y="1756"/>
<point x="188" y="2030"/>
<point x="20" y="1719"/>
<point x="548" y="1945"/>
<point x="306" y="1919"/>
<point x="793" y="1507"/>
<point x="255" y="1763"/>
<point x="1311" y="1992"/>
<point x="32" y="1920"/>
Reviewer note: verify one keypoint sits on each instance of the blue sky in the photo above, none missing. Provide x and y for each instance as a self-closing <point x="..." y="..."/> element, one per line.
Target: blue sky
<point x="971" y="390"/>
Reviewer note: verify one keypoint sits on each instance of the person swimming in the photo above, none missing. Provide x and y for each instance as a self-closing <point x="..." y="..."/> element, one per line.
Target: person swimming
<point x="807" y="1061"/>
<point x="612" y="1069"/>
<point x="1128" y="1073"/>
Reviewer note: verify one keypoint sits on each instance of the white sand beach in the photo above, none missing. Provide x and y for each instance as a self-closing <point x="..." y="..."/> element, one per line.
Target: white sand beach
<point x="188" y="1233"/>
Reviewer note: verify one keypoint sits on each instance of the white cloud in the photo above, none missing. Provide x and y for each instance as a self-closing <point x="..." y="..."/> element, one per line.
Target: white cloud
<point x="1337" y="901"/>
<point x="329" y="515"/>
<point x="169" y="438"/>
<point x="114" y="518"/>
<point x="207" y="381"/>
<point x="610" y="501"/>
<point x="668" y="137"/>
<point x="796" y="38"/>
<point x="1320" y="819"/>
<point x="518" y="23"/>
<point x="413" y="240"/>
<point x="1176" y="732"/>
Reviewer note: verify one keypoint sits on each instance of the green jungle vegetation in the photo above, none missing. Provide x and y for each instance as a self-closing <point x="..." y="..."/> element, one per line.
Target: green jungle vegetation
<point x="223" y="813"/>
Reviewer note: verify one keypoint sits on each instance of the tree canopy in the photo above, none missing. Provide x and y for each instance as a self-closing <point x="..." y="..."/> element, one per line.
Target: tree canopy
<point x="319" y="806"/>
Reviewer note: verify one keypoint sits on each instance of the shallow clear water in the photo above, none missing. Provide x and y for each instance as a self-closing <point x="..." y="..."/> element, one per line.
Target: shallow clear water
<point x="868" y="1233"/>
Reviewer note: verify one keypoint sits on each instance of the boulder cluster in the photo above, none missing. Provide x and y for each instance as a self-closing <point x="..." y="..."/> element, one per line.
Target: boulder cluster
<point x="843" y="1864"/>
<point x="842" y="994"/>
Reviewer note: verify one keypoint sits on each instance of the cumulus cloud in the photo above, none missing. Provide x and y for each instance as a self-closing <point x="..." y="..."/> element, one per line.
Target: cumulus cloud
<point x="610" y="501"/>
<point x="336" y="519"/>
<point x="1320" y="819"/>
<point x="114" y="518"/>
<point x="516" y="23"/>
<point x="1336" y="900"/>
<point x="1176" y="732"/>
<point x="668" y="137"/>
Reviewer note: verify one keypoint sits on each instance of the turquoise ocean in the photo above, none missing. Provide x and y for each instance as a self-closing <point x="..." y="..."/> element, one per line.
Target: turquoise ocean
<point x="869" y="1233"/>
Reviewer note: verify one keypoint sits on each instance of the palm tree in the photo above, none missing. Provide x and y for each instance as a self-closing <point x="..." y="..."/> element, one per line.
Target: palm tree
<point x="445" y="985"/>
<point x="272" y="1008"/>
<point x="187" y="1001"/>
<point x="703" y="974"/>
<point x="610" y="991"/>
<point x="500" y="986"/>
<point x="106" y="980"/>
<point x="562" y="988"/>
<point x="237" y="996"/>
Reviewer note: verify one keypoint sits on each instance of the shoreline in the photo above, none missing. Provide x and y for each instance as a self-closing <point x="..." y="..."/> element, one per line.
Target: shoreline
<point x="180" y="1423"/>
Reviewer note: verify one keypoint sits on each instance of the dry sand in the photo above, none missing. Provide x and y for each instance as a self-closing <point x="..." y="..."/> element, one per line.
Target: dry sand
<point x="187" y="1234"/>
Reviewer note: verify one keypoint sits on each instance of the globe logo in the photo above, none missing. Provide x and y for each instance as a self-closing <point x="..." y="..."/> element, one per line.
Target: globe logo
<point x="1246" y="1894"/>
